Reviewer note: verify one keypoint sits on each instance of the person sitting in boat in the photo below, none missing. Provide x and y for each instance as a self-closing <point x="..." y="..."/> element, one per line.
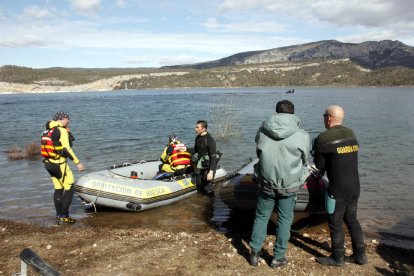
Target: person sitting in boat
<point x="175" y="158"/>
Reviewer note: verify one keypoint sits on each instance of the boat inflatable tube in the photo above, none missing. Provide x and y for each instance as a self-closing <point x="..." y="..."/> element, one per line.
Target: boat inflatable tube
<point x="240" y="189"/>
<point x="136" y="186"/>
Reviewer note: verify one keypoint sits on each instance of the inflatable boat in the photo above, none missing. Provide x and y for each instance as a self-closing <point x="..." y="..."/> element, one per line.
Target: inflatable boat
<point x="239" y="191"/>
<point x="136" y="186"/>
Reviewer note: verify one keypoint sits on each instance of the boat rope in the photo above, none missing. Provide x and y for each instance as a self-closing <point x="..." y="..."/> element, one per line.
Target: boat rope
<point x="233" y="174"/>
<point x="97" y="196"/>
<point x="94" y="206"/>
<point x="126" y="165"/>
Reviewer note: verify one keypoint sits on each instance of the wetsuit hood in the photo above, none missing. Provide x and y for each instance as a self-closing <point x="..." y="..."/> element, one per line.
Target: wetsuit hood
<point x="53" y="124"/>
<point x="281" y="125"/>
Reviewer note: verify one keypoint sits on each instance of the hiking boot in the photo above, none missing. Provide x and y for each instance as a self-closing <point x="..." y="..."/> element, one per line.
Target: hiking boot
<point x="254" y="259"/>
<point x="358" y="255"/>
<point x="209" y="189"/>
<point x="68" y="220"/>
<point x="336" y="259"/>
<point x="278" y="263"/>
<point x="209" y="193"/>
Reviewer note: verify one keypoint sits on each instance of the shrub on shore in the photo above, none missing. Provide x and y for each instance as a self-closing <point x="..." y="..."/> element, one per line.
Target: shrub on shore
<point x="15" y="153"/>
<point x="225" y="118"/>
<point x="31" y="151"/>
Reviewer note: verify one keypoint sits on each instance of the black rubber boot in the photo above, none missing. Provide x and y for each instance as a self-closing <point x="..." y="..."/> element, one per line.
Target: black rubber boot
<point x="336" y="259"/>
<point x="358" y="255"/>
<point x="254" y="258"/>
<point x="67" y="200"/>
<point x="278" y="263"/>
<point x="209" y="190"/>
<point x="57" y="197"/>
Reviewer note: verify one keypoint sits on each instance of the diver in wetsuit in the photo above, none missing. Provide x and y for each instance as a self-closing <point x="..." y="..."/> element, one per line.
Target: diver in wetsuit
<point x="56" y="149"/>
<point x="205" y="158"/>
<point x="336" y="152"/>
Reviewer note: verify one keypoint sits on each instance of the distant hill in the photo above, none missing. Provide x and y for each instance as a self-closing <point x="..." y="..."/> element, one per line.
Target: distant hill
<point x="323" y="63"/>
<point x="370" y="54"/>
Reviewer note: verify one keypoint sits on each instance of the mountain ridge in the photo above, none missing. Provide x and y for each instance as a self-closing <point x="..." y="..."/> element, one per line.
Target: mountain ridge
<point x="369" y="54"/>
<point x="321" y="63"/>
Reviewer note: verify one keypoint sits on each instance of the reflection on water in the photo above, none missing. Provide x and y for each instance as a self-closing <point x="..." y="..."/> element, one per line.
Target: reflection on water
<point x="191" y="214"/>
<point x="116" y="127"/>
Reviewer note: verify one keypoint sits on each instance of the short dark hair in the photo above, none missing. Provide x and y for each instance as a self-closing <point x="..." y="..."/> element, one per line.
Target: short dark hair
<point x="202" y="123"/>
<point x="60" y="116"/>
<point x="285" y="106"/>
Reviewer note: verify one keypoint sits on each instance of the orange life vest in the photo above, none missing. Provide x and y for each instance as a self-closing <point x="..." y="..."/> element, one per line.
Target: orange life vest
<point x="51" y="148"/>
<point x="179" y="155"/>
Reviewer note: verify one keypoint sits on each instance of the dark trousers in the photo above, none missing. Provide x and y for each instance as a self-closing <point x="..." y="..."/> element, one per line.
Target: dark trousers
<point x="345" y="211"/>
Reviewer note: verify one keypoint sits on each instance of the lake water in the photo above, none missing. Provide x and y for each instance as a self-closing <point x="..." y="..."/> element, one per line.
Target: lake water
<point x="126" y="126"/>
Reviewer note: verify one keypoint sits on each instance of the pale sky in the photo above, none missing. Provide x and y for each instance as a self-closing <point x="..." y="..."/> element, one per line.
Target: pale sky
<point x="151" y="33"/>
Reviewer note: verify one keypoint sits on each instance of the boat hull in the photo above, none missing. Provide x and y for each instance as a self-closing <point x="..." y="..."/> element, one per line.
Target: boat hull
<point x="240" y="192"/>
<point x="115" y="188"/>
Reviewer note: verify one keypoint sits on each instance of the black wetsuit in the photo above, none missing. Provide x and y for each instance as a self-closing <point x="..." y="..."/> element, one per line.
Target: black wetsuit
<point x="205" y="145"/>
<point x="336" y="152"/>
<point x="205" y="148"/>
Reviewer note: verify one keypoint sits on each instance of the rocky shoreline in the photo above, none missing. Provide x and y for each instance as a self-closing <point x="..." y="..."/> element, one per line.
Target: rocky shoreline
<point x="114" y="250"/>
<point x="324" y="73"/>
<point x="107" y="84"/>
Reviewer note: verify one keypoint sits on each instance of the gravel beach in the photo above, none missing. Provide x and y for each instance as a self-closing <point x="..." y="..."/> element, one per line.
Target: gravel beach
<point x="112" y="250"/>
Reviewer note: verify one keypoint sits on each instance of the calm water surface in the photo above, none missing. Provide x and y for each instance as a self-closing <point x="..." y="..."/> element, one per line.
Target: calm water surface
<point x="116" y="127"/>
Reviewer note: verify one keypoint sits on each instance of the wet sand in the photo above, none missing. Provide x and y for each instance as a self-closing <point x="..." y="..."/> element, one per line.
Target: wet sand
<point x="116" y="250"/>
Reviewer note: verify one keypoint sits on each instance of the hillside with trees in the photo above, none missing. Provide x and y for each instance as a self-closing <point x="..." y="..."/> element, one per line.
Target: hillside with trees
<point x="323" y="63"/>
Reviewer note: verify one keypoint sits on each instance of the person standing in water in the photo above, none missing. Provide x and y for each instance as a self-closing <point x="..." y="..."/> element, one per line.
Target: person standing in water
<point x="205" y="158"/>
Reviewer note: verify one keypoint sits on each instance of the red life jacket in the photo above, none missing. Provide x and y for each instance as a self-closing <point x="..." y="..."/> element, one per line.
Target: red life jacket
<point x="51" y="148"/>
<point x="179" y="155"/>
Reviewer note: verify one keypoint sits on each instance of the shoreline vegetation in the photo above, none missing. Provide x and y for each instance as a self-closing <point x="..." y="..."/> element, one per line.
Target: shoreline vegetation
<point x="83" y="249"/>
<point x="336" y="73"/>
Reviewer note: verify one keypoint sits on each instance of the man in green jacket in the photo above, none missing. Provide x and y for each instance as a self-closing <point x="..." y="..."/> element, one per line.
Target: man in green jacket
<point x="282" y="148"/>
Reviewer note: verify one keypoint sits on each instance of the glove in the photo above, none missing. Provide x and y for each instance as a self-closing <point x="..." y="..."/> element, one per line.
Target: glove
<point x="194" y="158"/>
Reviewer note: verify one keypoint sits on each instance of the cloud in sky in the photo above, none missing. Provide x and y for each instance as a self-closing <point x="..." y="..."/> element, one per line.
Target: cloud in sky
<point x="121" y="3"/>
<point x="35" y="12"/>
<point x="246" y="26"/>
<point x="121" y="33"/>
<point x="87" y="7"/>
